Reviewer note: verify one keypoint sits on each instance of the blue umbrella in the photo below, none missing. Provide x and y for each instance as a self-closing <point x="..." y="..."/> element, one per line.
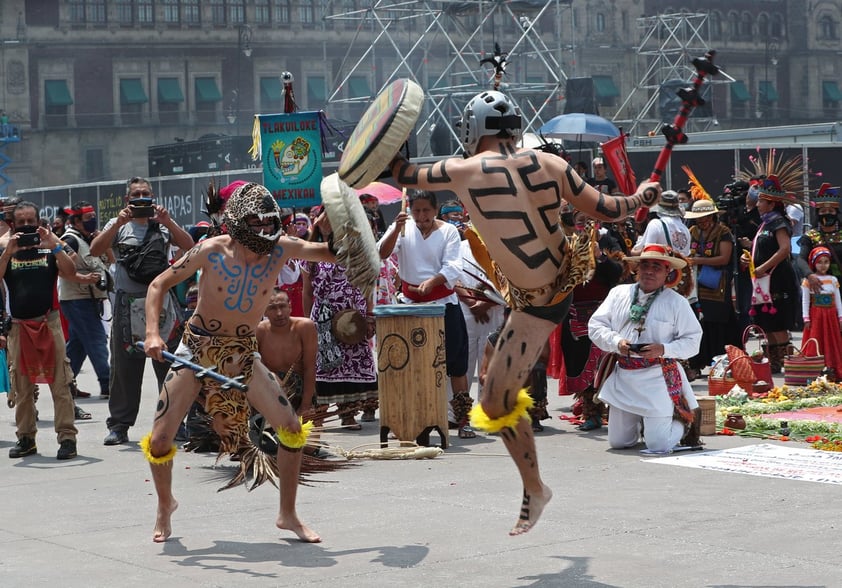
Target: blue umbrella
<point x="579" y="126"/>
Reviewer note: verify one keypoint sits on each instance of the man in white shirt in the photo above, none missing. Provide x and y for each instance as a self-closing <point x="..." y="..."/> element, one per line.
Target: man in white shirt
<point x="667" y="228"/>
<point x="650" y="327"/>
<point x="429" y="265"/>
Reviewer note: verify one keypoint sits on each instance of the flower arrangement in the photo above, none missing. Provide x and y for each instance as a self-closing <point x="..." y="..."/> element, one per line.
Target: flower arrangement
<point x="822" y="435"/>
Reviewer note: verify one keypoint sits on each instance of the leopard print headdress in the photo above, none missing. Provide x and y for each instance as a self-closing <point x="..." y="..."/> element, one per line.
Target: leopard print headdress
<point x="253" y="200"/>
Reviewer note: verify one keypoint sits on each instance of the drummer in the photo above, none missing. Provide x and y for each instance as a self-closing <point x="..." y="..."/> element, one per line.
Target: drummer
<point x="513" y="197"/>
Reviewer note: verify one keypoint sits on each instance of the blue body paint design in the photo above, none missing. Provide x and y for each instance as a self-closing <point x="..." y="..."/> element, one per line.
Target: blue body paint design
<point x="242" y="282"/>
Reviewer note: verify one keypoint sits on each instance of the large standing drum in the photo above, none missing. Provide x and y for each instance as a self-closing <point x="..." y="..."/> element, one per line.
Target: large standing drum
<point x="411" y="371"/>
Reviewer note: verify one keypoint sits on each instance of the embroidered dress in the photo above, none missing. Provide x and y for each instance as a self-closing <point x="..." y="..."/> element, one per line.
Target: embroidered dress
<point x="824" y="310"/>
<point x="783" y="283"/>
<point x="344" y="373"/>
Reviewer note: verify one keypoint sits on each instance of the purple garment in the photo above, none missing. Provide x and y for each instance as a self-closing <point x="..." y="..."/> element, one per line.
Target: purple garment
<point x="337" y="362"/>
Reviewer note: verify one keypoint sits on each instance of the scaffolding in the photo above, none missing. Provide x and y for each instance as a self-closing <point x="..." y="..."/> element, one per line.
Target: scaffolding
<point x="668" y="45"/>
<point x="441" y="46"/>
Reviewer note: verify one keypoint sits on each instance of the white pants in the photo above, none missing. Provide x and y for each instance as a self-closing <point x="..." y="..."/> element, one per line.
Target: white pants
<point x="660" y="433"/>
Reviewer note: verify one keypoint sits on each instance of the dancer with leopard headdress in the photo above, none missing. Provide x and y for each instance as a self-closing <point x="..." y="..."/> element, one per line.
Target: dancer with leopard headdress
<point x="238" y="274"/>
<point x="513" y="197"/>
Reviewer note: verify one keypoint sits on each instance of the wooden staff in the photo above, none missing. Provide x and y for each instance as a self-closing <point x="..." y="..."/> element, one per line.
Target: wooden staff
<point x="674" y="133"/>
<point x="404" y="208"/>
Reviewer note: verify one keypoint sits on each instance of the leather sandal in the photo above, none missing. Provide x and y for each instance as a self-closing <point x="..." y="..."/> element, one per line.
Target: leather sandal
<point x="590" y="424"/>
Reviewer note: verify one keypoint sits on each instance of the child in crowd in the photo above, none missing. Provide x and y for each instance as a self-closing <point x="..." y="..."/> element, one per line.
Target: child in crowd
<point x="822" y="312"/>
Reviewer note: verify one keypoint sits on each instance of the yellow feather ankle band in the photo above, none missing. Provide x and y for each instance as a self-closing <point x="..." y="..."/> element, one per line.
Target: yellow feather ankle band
<point x="295" y="440"/>
<point x="482" y="421"/>
<point x="145" y="444"/>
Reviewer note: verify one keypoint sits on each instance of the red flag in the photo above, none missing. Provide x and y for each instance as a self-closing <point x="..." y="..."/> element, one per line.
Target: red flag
<point x="618" y="160"/>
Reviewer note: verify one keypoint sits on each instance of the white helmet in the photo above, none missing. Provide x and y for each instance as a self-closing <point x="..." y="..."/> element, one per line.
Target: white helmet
<point x="488" y="113"/>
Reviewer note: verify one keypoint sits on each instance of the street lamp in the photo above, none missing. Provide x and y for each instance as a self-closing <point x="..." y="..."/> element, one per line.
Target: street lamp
<point x="243" y="48"/>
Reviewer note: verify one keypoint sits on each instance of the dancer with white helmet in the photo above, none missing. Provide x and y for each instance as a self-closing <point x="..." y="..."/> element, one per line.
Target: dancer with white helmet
<point x="514" y="197"/>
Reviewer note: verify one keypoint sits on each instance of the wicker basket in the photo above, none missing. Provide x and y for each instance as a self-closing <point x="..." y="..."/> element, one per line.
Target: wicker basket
<point x="708" y="406"/>
<point x="720" y="386"/>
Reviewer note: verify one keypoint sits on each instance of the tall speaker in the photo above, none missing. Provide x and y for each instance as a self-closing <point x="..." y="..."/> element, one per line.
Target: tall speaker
<point x="580" y="96"/>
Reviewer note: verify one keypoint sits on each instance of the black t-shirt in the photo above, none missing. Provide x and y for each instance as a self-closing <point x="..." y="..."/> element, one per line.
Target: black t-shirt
<point x="31" y="280"/>
<point x="606" y="185"/>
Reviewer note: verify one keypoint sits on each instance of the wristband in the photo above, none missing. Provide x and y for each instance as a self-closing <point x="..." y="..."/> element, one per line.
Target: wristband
<point x="58" y="249"/>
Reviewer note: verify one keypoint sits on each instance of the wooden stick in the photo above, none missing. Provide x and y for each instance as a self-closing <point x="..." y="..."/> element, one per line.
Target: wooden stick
<point x="404" y="208"/>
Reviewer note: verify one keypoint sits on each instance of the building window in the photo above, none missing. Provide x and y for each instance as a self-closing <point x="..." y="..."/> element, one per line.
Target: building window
<point x="94" y="165"/>
<point x="261" y="12"/>
<point x="190" y="13"/>
<point x="170" y="99"/>
<point x="124" y="12"/>
<point x="600" y="22"/>
<point x="281" y="11"/>
<point x="305" y="12"/>
<point x="87" y="11"/>
<point x="316" y="92"/>
<point x="716" y="24"/>
<point x="145" y="12"/>
<point x="763" y="25"/>
<point x="171" y="12"/>
<point x="57" y="101"/>
<point x="827" y="28"/>
<point x="733" y="24"/>
<point x="236" y="11"/>
<point x="218" y="12"/>
<point x="132" y="99"/>
<point x="271" y="95"/>
<point x="777" y="26"/>
<point x="207" y="98"/>
<point x="745" y="25"/>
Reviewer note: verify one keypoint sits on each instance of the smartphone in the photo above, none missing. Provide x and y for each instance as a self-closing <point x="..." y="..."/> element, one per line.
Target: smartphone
<point x="637" y="347"/>
<point x="142" y="211"/>
<point x="28" y="239"/>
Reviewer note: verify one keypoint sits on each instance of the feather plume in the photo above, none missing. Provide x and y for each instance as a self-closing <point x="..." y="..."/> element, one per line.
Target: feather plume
<point x="697" y="191"/>
<point x="788" y="171"/>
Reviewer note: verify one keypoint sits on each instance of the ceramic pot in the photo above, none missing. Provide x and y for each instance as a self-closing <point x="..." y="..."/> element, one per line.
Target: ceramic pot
<point x="735" y="421"/>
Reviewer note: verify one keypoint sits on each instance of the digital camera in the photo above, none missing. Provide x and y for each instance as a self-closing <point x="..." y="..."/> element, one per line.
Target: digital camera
<point x="28" y="237"/>
<point x="143" y="211"/>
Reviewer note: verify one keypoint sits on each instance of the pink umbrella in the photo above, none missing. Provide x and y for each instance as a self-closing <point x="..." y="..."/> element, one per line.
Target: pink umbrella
<point x="385" y="193"/>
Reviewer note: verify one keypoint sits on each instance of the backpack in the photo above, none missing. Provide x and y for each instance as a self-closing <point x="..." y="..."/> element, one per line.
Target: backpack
<point x="145" y="262"/>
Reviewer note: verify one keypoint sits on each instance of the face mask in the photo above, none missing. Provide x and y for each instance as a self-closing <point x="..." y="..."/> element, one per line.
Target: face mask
<point x="828" y="220"/>
<point x="90" y="225"/>
<point x="685" y="206"/>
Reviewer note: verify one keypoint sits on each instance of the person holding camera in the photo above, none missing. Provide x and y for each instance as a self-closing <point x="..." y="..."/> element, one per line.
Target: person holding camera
<point x="140" y="236"/>
<point x="30" y="264"/>
<point x="82" y="301"/>
<point x="649" y="327"/>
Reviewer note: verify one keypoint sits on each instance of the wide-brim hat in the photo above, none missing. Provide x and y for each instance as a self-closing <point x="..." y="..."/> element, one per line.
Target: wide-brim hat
<point x="658" y="252"/>
<point x="702" y="208"/>
<point x="669" y="205"/>
<point x="770" y="189"/>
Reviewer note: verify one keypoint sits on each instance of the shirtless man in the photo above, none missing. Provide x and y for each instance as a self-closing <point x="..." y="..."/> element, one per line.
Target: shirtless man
<point x="288" y="344"/>
<point x="513" y="197"/>
<point x="239" y="270"/>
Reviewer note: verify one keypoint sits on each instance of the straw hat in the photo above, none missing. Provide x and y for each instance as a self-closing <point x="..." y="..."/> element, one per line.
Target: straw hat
<point x="658" y="252"/>
<point x="348" y="326"/>
<point x="702" y="208"/>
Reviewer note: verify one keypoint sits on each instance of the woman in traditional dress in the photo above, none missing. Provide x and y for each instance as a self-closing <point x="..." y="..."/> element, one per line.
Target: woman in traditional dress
<point x="711" y="248"/>
<point x="345" y="371"/>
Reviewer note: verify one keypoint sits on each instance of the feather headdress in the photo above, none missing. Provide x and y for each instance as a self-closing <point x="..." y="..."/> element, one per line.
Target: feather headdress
<point x="787" y="171"/>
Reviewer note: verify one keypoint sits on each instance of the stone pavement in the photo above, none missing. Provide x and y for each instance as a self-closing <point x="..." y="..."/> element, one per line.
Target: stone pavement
<point x="614" y="520"/>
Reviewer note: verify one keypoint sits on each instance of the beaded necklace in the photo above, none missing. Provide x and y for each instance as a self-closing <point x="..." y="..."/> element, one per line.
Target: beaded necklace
<point x="637" y="312"/>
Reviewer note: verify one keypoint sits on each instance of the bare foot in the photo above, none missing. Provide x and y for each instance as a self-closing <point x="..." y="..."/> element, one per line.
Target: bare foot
<point x="163" y="525"/>
<point x="304" y="533"/>
<point x="531" y="509"/>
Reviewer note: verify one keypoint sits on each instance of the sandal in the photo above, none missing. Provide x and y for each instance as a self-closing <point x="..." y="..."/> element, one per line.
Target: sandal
<point x="80" y="414"/>
<point x="368" y="417"/>
<point x="537" y="427"/>
<point x="466" y="432"/>
<point x="590" y="424"/>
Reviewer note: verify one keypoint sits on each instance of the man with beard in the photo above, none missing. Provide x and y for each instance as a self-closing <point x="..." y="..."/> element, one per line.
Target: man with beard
<point x="239" y="270"/>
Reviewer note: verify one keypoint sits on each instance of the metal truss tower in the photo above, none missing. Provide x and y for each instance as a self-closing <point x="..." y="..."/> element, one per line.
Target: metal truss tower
<point x="440" y="46"/>
<point x="668" y="45"/>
